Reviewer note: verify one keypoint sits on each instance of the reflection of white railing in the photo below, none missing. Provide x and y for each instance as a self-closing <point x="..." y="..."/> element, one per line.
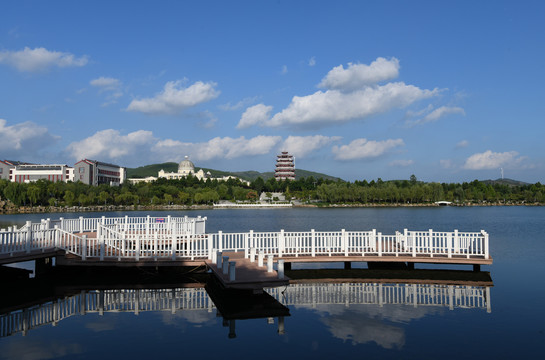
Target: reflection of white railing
<point x="186" y="299"/>
<point x="451" y="296"/>
<point x="97" y="301"/>
<point x="185" y="238"/>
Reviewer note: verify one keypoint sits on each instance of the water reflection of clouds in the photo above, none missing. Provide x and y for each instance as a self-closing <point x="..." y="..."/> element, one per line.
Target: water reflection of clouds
<point x="368" y="323"/>
<point x="195" y="317"/>
<point x="33" y="349"/>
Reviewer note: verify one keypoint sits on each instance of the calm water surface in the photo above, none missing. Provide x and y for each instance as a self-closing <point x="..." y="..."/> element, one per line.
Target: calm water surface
<point x="513" y="327"/>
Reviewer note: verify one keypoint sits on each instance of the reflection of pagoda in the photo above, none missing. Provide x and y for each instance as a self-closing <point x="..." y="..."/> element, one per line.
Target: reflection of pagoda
<point x="285" y="167"/>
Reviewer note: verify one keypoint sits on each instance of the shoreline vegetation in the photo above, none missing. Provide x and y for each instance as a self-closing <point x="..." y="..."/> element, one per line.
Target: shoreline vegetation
<point x="111" y="208"/>
<point x="190" y="193"/>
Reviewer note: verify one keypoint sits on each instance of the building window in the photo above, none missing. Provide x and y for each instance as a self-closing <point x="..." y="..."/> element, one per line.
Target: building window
<point x="81" y="170"/>
<point x="1" y="170"/>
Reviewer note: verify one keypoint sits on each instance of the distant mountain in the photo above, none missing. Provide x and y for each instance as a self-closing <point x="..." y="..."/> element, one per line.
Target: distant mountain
<point x="152" y="170"/>
<point x="509" y="182"/>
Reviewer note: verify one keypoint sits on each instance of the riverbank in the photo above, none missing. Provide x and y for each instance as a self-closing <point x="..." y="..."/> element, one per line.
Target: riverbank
<point x="102" y="208"/>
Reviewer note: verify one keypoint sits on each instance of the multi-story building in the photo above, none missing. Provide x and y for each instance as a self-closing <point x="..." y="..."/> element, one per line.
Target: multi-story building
<point x="285" y="167"/>
<point x="25" y="173"/>
<point x="93" y="172"/>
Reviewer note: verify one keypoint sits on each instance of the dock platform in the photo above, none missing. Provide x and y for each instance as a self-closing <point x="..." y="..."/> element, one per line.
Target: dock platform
<point x="249" y="275"/>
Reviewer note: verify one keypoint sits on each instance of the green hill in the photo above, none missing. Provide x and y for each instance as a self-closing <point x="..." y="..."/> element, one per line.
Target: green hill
<point x="152" y="170"/>
<point x="509" y="182"/>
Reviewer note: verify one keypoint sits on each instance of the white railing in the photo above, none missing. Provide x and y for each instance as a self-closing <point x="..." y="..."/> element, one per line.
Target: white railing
<point x="191" y="299"/>
<point x="183" y="238"/>
<point x="356" y="243"/>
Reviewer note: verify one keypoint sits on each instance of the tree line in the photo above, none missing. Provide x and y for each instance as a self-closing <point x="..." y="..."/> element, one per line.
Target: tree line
<point x="190" y="190"/>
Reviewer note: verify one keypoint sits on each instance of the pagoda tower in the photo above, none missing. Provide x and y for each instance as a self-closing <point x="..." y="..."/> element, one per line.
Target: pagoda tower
<point x="285" y="167"/>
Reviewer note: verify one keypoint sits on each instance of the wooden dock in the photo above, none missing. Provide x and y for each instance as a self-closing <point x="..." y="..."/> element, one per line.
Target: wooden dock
<point x="248" y="275"/>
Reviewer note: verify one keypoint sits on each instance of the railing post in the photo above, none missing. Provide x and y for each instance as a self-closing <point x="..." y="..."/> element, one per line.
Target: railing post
<point x="456" y="242"/>
<point x="269" y="263"/>
<point x="281" y="242"/>
<point x="252" y="254"/>
<point x="174" y="244"/>
<point x="61" y="223"/>
<point x="379" y="243"/>
<point x="148" y="220"/>
<point x="246" y="246"/>
<point x="137" y="248"/>
<point x="344" y="242"/>
<point x="220" y="240"/>
<point x="232" y="275"/>
<point x="219" y="259"/>
<point x="430" y="242"/>
<point x="102" y="247"/>
<point x="225" y="265"/>
<point x="81" y="224"/>
<point x="123" y="244"/>
<point x="83" y="247"/>
<point x="281" y="268"/>
<point x="126" y="225"/>
<point x="414" y="244"/>
<point x="486" y="250"/>
<point x="251" y="240"/>
<point x="28" y="236"/>
<point x="313" y="242"/>
<point x="405" y="241"/>
<point x="56" y="237"/>
<point x="449" y="245"/>
<point x="260" y="258"/>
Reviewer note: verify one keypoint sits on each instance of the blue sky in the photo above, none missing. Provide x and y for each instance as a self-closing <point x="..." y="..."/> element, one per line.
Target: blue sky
<point x="448" y="91"/>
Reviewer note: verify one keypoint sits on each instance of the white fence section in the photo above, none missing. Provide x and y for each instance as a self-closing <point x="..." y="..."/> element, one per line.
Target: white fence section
<point x="356" y="243"/>
<point x="185" y="238"/>
<point x="190" y="299"/>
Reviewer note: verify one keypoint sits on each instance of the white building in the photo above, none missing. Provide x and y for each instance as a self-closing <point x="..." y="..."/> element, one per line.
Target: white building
<point x="52" y="172"/>
<point x="186" y="168"/>
<point x="92" y="172"/>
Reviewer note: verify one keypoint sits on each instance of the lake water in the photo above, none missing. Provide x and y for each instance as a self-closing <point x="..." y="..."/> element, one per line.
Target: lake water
<point x="325" y="320"/>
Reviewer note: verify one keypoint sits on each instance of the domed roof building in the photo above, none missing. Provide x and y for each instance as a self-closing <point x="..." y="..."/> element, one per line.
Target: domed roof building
<point x="185" y="168"/>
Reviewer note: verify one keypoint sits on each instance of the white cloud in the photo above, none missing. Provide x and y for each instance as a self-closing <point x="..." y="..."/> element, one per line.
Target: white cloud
<point x="174" y="98"/>
<point x="25" y="138"/>
<point x="301" y="146"/>
<point x="239" y="105"/>
<point x="284" y="70"/>
<point x="491" y="160"/>
<point x="40" y="59"/>
<point x="365" y="149"/>
<point x="109" y="85"/>
<point x="142" y="146"/>
<point x="106" y="83"/>
<point x="218" y="148"/>
<point x="462" y="144"/>
<point x="257" y="114"/>
<point x="402" y="163"/>
<point x="110" y="144"/>
<point x="357" y="76"/>
<point x="436" y="115"/>
<point x="334" y="106"/>
<point x="312" y="61"/>
<point x="446" y="164"/>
